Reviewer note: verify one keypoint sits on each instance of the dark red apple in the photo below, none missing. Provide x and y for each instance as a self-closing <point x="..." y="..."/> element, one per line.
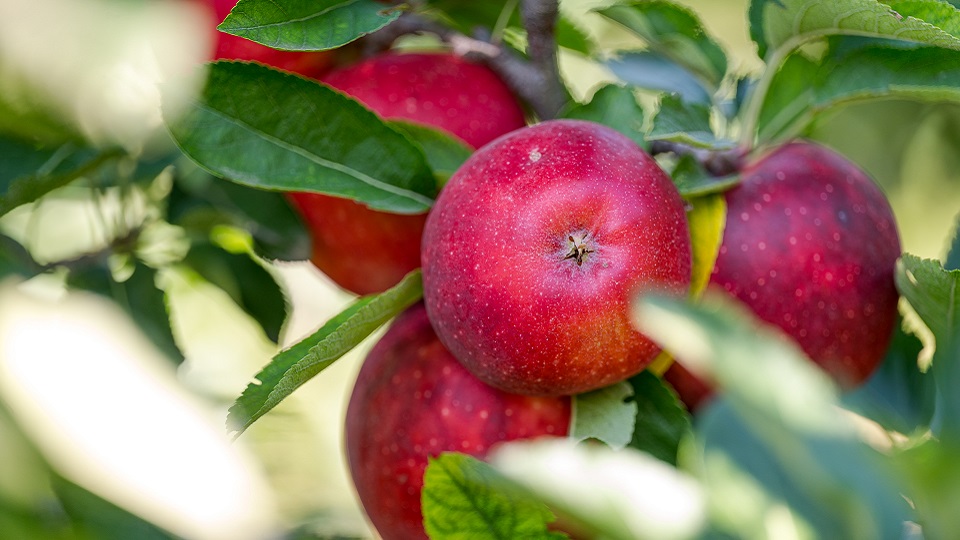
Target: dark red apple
<point x="810" y="246"/>
<point x="310" y="64"/>
<point x="536" y="247"/>
<point x="692" y="390"/>
<point x="367" y="251"/>
<point x="413" y="400"/>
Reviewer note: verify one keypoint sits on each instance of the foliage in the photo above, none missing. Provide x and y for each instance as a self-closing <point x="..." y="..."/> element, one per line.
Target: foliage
<point x="781" y="453"/>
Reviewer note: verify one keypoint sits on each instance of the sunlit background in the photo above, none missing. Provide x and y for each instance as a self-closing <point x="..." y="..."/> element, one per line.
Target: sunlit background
<point x="84" y="394"/>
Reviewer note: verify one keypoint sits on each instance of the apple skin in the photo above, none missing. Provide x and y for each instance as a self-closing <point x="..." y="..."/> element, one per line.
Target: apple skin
<point x="311" y="64"/>
<point x="503" y="283"/>
<point x="810" y="246"/>
<point x="413" y="400"/>
<point x="366" y="251"/>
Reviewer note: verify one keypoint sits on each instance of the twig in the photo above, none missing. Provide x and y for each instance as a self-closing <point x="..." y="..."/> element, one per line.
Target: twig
<point x="716" y="162"/>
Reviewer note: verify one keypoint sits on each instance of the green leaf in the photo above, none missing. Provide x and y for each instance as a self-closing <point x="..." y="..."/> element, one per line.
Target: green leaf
<point x="607" y="415"/>
<point x="777" y="420"/>
<point x="934" y="295"/>
<point x="273" y="130"/>
<point x="694" y="181"/>
<point x="613" y="106"/>
<point x="296" y="365"/>
<point x="675" y="32"/>
<point x="656" y="72"/>
<point x="139" y="297"/>
<point x="952" y="261"/>
<point x="98" y="518"/>
<point x="933" y="475"/>
<point x="569" y="36"/>
<point x="464" y="498"/>
<point x="199" y="202"/>
<point x="28" y="172"/>
<point x="685" y="123"/>
<point x="899" y="395"/>
<point x="307" y="25"/>
<point x="939" y="13"/>
<point x="612" y="494"/>
<point x="802" y="90"/>
<point x="661" y="420"/>
<point x="16" y="260"/>
<point x="246" y="281"/>
<point x="791" y="23"/>
<point x="444" y="152"/>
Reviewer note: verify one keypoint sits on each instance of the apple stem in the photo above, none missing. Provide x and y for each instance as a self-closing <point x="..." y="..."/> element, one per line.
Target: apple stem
<point x="716" y="162"/>
<point x="537" y="81"/>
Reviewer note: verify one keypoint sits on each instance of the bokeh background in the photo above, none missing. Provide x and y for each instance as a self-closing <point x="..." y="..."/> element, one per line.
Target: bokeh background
<point x="85" y="399"/>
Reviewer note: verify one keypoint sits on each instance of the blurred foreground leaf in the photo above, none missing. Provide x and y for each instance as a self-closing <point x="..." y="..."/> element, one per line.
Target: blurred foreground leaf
<point x="139" y="297"/>
<point x="464" y="497"/>
<point x="296" y="365"/>
<point x="614" y="494"/>
<point x="306" y="25"/>
<point x="778" y="422"/>
<point x="28" y="172"/>
<point x="97" y="518"/>
<point x="258" y="126"/>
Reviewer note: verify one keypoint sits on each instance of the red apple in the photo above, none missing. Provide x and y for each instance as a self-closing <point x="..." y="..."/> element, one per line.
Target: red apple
<point x="810" y="246"/>
<point x="413" y="400"/>
<point x="310" y="64"/>
<point x="692" y="390"/>
<point x="535" y="248"/>
<point x="367" y="251"/>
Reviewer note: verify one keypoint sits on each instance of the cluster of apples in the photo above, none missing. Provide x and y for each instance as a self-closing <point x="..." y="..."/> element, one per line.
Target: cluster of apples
<point x="533" y="253"/>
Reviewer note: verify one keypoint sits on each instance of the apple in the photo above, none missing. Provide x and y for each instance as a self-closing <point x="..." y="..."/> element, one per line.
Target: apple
<point x="413" y="400"/>
<point x="535" y="248"/>
<point x="693" y="391"/>
<point x="810" y="246"/>
<point x="367" y="251"/>
<point x="310" y="64"/>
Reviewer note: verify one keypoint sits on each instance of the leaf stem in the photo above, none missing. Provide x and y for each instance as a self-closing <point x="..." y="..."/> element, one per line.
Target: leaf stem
<point x="754" y="105"/>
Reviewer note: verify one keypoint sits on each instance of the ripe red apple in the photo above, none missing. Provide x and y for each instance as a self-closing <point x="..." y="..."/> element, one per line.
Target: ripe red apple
<point x="310" y="64"/>
<point x="367" y="251"/>
<point x="535" y="248"/>
<point x="412" y="400"/>
<point x="810" y="246"/>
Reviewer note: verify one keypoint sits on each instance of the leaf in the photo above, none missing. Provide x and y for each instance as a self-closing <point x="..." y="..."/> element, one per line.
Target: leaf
<point x="444" y="152"/>
<point x="675" y="32"/>
<point x="139" y="297"/>
<point x="685" y="123"/>
<point x="464" y="497"/>
<point x="259" y="127"/>
<point x="28" y="172"/>
<point x="16" y="260"/>
<point x="693" y="180"/>
<point x="607" y="415"/>
<point x="247" y="282"/>
<point x="933" y="474"/>
<point x="661" y="420"/>
<point x="778" y="418"/>
<point x="569" y="36"/>
<point x="952" y="261"/>
<point x="936" y="12"/>
<point x="296" y="365"/>
<point x="307" y="25"/>
<point x="802" y="90"/>
<point x="614" y="494"/>
<point x="613" y="106"/>
<point x="199" y="202"/>
<point x="790" y="23"/>
<point x="898" y="396"/>
<point x="656" y="72"/>
<point x="101" y="519"/>
<point x="934" y="294"/>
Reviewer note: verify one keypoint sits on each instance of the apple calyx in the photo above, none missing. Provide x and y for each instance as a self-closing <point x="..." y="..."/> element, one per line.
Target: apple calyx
<point x="578" y="249"/>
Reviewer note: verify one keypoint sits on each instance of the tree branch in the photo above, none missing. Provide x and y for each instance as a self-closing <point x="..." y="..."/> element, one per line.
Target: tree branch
<point x="716" y="162"/>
